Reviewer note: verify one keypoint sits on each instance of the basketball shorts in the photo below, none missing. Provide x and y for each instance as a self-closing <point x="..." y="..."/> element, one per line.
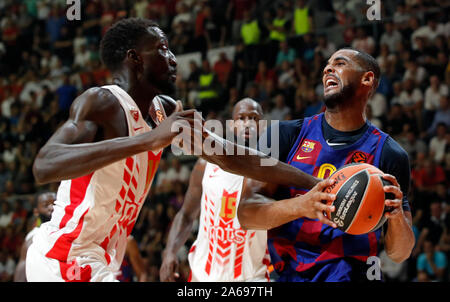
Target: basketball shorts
<point x="40" y="268"/>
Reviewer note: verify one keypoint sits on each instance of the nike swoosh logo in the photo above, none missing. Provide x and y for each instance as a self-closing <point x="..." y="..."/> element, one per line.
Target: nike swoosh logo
<point x="136" y="129"/>
<point x="302" y="157"/>
<point x="211" y="176"/>
<point x="335" y="144"/>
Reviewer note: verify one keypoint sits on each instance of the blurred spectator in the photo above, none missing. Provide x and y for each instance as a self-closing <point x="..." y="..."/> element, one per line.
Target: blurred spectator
<point x="427" y="177"/>
<point x="441" y="116"/>
<point x="285" y="54"/>
<point x="250" y="31"/>
<point x="438" y="143"/>
<point x="364" y="42"/>
<point x="66" y="93"/>
<point x="429" y="31"/>
<point x="303" y="18"/>
<point x="222" y="68"/>
<point x="183" y="16"/>
<point x="415" y="72"/>
<point x="314" y="105"/>
<point x="6" y="214"/>
<point x="280" y="111"/>
<point x="208" y="89"/>
<point x="431" y="264"/>
<point x="7" y="266"/>
<point x="325" y="47"/>
<point x="369" y="115"/>
<point x="412" y="144"/>
<point x="264" y="73"/>
<point x="63" y="46"/>
<point x="390" y="37"/>
<point x="379" y="105"/>
<point x="82" y="57"/>
<point x="396" y="119"/>
<point x="411" y="100"/>
<point x="177" y="172"/>
<point x="432" y="98"/>
<point x="235" y="13"/>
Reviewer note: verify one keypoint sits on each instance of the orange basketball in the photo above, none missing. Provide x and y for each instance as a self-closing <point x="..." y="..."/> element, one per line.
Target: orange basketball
<point x="359" y="203"/>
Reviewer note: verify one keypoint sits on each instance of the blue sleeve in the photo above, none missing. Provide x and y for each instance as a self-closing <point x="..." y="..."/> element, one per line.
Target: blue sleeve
<point x="395" y="161"/>
<point x="279" y="138"/>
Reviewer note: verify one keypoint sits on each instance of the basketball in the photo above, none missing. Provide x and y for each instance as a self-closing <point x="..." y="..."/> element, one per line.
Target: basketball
<point x="161" y="107"/>
<point x="359" y="203"/>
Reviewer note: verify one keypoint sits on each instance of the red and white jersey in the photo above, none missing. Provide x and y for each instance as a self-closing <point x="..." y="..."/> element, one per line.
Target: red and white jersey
<point x="223" y="251"/>
<point x="94" y="214"/>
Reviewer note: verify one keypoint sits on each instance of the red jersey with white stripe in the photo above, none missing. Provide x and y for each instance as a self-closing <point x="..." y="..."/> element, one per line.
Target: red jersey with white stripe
<point x="94" y="214"/>
<point x="223" y="251"/>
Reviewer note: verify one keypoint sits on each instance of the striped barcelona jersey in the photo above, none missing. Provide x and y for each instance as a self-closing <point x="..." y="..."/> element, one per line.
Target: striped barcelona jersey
<point x="223" y="251"/>
<point x="306" y="248"/>
<point x="94" y="214"/>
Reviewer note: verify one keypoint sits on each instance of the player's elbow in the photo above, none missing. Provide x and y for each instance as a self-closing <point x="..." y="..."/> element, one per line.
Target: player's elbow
<point x="41" y="172"/>
<point x="243" y="217"/>
<point x="402" y="254"/>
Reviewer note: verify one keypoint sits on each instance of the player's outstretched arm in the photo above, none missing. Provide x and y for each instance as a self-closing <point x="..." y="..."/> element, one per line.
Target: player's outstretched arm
<point x="182" y="224"/>
<point x="96" y="135"/>
<point x="258" y="212"/>
<point x="259" y="166"/>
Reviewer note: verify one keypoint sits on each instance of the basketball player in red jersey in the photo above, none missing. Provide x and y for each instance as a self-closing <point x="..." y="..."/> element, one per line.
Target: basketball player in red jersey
<point x="307" y="248"/>
<point x="106" y="156"/>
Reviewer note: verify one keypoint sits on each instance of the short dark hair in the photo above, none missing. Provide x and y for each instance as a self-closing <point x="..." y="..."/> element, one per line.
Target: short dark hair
<point x="367" y="62"/>
<point x="121" y="37"/>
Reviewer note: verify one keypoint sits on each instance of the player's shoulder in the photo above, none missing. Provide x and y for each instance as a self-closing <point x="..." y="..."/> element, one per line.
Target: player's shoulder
<point x="290" y="128"/>
<point x="94" y="103"/>
<point x="292" y="125"/>
<point x="392" y="149"/>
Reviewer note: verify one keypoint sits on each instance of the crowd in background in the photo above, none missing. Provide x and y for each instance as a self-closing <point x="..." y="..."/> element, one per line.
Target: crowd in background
<point x="280" y="50"/>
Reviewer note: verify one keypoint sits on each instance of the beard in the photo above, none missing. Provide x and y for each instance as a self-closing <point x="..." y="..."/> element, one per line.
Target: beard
<point x="165" y="85"/>
<point x="346" y="93"/>
<point x="44" y="218"/>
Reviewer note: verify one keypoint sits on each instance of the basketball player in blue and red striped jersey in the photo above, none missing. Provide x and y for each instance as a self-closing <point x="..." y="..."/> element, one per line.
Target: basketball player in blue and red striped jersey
<point x="305" y="245"/>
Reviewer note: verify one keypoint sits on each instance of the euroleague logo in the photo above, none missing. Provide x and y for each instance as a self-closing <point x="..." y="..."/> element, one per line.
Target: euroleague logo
<point x="358" y="157"/>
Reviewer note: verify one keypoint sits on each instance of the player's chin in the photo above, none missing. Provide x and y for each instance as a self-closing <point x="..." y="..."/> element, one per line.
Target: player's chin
<point x="168" y="87"/>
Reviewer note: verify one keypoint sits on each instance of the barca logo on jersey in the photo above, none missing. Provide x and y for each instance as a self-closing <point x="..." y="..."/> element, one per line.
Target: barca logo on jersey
<point x="308" y="152"/>
<point x="308" y="146"/>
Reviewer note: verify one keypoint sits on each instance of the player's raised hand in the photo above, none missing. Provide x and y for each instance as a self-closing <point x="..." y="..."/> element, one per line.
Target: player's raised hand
<point x="314" y="204"/>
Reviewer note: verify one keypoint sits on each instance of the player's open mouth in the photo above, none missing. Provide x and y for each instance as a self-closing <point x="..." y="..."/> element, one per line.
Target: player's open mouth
<point x="331" y="83"/>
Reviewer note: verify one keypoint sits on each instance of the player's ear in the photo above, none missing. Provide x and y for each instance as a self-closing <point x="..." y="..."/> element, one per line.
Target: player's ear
<point x="368" y="79"/>
<point x="134" y="58"/>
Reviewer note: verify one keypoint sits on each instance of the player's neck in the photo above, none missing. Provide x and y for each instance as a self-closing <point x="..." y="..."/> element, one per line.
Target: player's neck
<point x="141" y="94"/>
<point x="345" y="120"/>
